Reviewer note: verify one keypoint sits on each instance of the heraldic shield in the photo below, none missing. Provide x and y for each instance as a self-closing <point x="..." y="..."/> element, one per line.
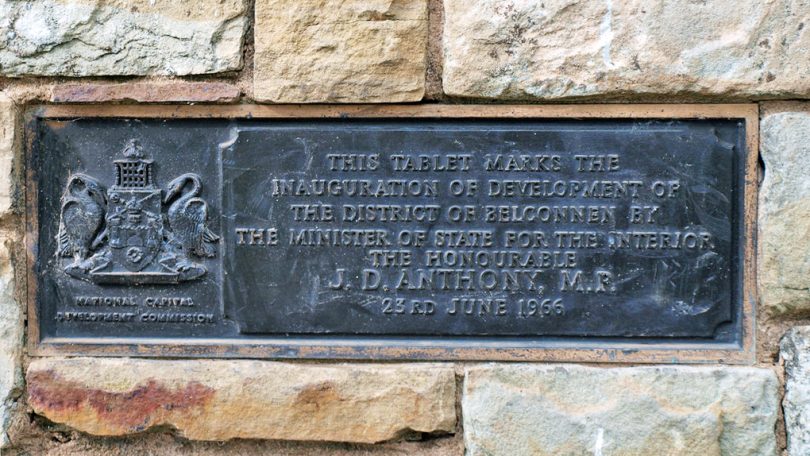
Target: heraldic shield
<point x="135" y="226"/>
<point x="124" y="236"/>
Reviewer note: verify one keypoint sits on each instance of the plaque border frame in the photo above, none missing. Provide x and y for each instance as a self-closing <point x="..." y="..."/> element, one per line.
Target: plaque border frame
<point x="403" y="349"/>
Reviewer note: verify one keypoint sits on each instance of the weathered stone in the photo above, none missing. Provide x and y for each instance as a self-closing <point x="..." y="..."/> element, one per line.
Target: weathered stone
<point x="575" y="410"/>
<point x="221" y="400"/>
<point x="8" y="124"/>
<point x="508" y="49"/>
<point x="120" y="37"/>
<point x="172" y="92"/>
<point x="11" y="338"/>
<point x="433" y="72"/>
<point x="795" y="350"/>
<point x="312" y="51"/>
<point x="784" y="214"/>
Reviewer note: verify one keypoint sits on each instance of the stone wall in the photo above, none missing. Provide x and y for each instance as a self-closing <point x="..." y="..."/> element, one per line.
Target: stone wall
<point x="417" y="51"/>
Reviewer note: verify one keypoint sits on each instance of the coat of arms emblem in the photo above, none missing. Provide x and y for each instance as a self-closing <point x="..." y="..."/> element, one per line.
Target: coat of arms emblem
<point x="122" y="235"/>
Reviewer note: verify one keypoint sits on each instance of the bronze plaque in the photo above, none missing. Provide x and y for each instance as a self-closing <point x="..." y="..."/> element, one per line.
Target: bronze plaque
<point x="455" y="235"/>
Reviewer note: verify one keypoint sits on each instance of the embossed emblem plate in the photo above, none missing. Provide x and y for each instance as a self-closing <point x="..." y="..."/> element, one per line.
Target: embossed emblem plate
<point x="461" y="235"/>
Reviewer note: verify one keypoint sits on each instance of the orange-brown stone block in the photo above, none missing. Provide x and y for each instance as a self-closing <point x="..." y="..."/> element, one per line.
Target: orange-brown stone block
<point x="221" y="400"/>
<point x="335" y="51"/>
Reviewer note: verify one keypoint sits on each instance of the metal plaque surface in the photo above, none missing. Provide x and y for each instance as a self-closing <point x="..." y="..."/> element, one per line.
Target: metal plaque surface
<point x="386" y="236"/>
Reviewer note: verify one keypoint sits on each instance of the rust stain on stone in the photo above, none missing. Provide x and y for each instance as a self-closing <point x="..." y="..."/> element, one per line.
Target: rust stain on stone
<point x="317" y="395"/>
<point x="133" y="410"/>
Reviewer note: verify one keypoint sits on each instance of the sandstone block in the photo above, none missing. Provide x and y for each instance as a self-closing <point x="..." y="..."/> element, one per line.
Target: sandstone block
<point x="120" y="37"/>
<point x="574" y="410"/>
<point x="507" y="49"/>
<point x="222" y="400"/>
<point x="354" y="51"/>
<point x="795" y="350"/>
<point x="172" y="92"/>
<point x="8" y="127"/>
<point x="11" y="338"/>
<point x="784" y="214"/>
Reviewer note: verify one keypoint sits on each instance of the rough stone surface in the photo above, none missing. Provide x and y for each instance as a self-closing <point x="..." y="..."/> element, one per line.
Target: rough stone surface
<point x="575" y="410"/>
<point x="120" y="37"/>
<point x="8" y="120"/>
<point x="553" y="49"/>
<point x="221" y="400"/>
<point x="784" y="214"/>
<point x="172" y="92"/>
<point x="795" y="350"/>
<point x="340" y="51"/>
<point x="11" y="339"/>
